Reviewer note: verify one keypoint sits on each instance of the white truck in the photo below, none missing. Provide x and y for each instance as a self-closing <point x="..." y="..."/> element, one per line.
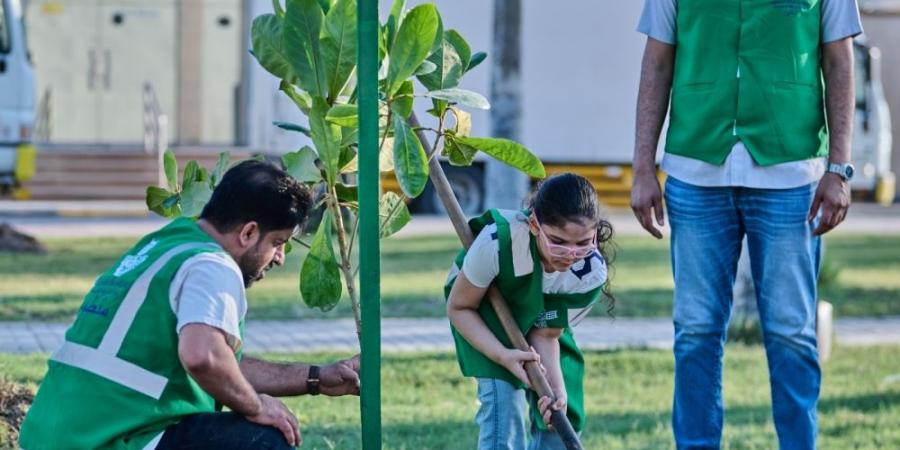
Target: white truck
<point x="17" y="154"/>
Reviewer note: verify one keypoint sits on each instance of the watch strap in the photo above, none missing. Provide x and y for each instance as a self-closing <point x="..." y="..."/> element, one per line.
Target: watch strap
<point x="312" y="381"/>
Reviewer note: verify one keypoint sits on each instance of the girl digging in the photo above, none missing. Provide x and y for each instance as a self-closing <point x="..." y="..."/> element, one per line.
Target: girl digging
<point x="549" y="265"/>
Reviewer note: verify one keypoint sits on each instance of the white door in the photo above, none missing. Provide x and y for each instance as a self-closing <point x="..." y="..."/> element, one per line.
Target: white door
<point x="137" y="46"/>
<point x="63" y="39"/>
<point x="221" y="52"/>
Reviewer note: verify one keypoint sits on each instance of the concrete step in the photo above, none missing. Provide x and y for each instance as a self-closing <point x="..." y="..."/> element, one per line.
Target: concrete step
<point x="102" y="173"/>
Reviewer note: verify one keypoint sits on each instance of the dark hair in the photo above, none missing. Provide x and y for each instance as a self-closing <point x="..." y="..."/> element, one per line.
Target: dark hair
<point x="568" y="197"/>
<point x="260" y="192"/>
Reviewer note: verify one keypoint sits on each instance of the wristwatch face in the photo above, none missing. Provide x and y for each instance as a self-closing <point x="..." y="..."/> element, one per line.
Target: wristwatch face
<point x="844" y="170"/>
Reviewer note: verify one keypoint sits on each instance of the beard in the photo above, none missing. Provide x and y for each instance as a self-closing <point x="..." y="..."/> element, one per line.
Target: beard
<point x="253" y="267"/>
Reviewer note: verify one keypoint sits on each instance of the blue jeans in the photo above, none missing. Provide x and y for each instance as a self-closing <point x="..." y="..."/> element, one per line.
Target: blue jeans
<point x="501" y="416"/>
<point x="221" y="431"/>
<point x="708" y="225"/>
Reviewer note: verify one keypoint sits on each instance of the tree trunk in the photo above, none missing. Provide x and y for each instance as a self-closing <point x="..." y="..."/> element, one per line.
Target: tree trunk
<point x="506" y="104"/>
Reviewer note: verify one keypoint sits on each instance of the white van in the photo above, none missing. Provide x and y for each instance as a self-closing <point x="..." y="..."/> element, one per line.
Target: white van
<point x="17" y="154"/>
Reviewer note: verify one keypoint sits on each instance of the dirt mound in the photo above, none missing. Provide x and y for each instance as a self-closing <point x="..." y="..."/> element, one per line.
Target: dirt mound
<point x="14" y="241"/>
<point x="14" y="402"/>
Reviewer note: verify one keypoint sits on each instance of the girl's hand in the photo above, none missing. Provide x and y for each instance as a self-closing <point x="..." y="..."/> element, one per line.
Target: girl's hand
<point x="546" y="408"/>
<point x="514" y="361"/>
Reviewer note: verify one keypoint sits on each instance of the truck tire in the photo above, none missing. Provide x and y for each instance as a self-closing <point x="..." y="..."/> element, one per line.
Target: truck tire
<point x="468" y="186"/>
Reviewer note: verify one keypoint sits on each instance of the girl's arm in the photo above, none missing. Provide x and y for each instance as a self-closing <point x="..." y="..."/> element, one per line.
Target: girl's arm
<point x="462" y="310"/>
<point x="546" y="342"/>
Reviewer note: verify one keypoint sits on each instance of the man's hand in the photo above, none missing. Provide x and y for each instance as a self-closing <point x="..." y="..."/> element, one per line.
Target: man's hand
<point x="273" y="413"/>
<point x="514" y="360"/>
<point x="546" y="407"/>
<point x="646" y="202"/>
<point x="833" y="197"/>
<point x="340" y="378"/>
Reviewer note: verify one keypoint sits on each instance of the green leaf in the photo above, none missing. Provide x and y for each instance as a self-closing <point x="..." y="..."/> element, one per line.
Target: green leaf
<point x="460" y="45"/>
<point x="300" y="98"/>
<point x="221" y="168"/>
<point x="320" y="279"/>
<point x="346" y="193"/>
<point x="477" y="58"/>
<point x="463" y="122"/>
<point x="393" y="214"/>
<point x="303" y="24"/>
<point x="410" y="161"/>
<point x="326" y="5"/>
<point x="403" y="99"/>
<point x="302" y="165"/>
<point x="462" y="97"/>
<point x="170" y="166"/>
<point x="343" y="115"/>
<point x="349" y="136"/>
<point x="394" y="20"/>
<point x="327" y="138"/>
<point x="449" y="68"/>
<point x="190" y="175"/>
<point x="412" y="44"/>
<point x="267" y="42"/>
<point x="426" y="68"/>
<point x="348" y="161"/>
<point x="162" y="202"/>
<point x="339" y="45"/>
<point x="509" y="152"/>
<point x="194" y="196"/>
<point x="288" y="247"/>
<point x="457" y="153"/>
<point x="292" y="127"/>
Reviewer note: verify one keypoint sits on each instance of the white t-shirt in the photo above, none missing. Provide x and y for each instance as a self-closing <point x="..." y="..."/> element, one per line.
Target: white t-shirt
<point x="209" y="289"/>
<point x="482" y="262"/>
<point x="840" y="19"/>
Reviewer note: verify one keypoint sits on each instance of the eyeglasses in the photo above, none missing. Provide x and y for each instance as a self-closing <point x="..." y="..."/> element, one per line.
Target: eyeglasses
<point x="563" y="251"/>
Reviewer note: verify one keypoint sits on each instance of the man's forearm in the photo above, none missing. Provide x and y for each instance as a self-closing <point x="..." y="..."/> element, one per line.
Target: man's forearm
<point x="275" y="379"/>
<point x="211" y="363"/>
<point x="653" y="102"/>
<point x="837" y="67"/>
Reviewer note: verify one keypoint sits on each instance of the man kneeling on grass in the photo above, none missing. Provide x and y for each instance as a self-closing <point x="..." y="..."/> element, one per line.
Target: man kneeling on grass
<point x="155" y="349"/>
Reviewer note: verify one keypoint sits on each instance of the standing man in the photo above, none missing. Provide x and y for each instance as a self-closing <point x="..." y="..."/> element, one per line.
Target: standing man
<point x="155" y="349"/>
<point x="756" y="146"/>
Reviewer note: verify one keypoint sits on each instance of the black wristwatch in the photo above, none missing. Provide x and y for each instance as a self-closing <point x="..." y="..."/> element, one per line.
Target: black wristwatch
<point x="312" y="381"/>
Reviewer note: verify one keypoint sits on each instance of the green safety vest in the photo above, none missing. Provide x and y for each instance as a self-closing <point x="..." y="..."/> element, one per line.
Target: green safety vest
<point x="527" y="302"/>
<point x="117" y="382"/>
<point x="747" y="70"/>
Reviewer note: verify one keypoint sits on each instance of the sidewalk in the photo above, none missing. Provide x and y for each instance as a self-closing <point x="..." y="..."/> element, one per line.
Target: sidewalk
<point x="417" y="335"/>
<point x="45" y="219"/>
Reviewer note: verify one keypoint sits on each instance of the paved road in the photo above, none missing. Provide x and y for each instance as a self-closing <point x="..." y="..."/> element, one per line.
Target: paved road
<point x="97" y="219"/>
<point x="408" y="335"/>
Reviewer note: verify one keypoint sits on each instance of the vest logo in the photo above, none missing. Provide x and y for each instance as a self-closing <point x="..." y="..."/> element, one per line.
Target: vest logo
<point x="544" y="317"/>
<point x="792" y="7"/>
<point x="131" y="261"/>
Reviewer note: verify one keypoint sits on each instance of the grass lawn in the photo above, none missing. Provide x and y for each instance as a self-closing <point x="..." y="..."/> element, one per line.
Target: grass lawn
<point x="426" y="404"/>
<point x="51" y="286"/>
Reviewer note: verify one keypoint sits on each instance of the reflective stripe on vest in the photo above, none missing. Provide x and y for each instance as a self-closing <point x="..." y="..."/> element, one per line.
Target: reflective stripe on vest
<point x="102" y="361"/>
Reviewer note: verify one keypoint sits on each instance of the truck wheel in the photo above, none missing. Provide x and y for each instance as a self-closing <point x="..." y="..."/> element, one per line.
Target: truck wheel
<point x="468" y="186"/>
